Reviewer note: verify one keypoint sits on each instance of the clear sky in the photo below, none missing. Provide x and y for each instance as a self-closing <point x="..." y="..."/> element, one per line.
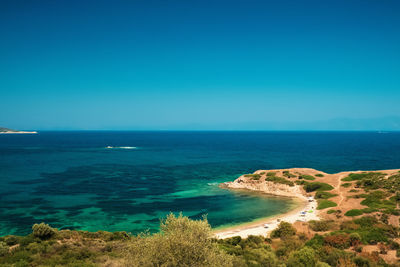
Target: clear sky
<point x="198" y="64"/>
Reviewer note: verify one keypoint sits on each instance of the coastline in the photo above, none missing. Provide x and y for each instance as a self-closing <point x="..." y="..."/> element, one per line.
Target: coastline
<point x="304" y="211"/>
<point x="258" y="227"/>
<point x="20" y="132"/>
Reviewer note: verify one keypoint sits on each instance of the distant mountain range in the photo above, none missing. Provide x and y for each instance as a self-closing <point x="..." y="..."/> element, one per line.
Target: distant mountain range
<point x="389" y="123"/>
<point x="336" y="124"/>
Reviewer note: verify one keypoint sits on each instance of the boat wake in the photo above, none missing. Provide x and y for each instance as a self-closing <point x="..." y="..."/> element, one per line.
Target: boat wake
<point x="121" y="147"/>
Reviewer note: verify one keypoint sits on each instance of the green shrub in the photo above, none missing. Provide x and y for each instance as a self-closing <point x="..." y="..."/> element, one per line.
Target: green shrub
<point x="253" y="176"/>
<point x="319" y="175"/>
<point x="271" y="173"/>
<point x="353" y="212"/>
<point x="322" y="264"/>
<point x="366" y="221"/>
<point x="11" y="240"/>
<point x="233" y="240"/>
<point x="324" y="195"/>
<point x="323" y="204"/>
<point x="361" y="261"/>
<point x="304" y="257"/>
<point x="316" y="242"/>
<point x="394" y="245"/>
<point x="43" y="230"/>
<point x="373" y="235"/>
<point x="362" y="176"/>
<point x="288" y="245"/>
<point x="346" y="185"/>
<point x="284" y="229"/>
<point x="331" y="211"/>
<point x="321" y="226"/>
<point x="306" y="177"/>
<point x="288" y="174"/>
<point x="354" y="239"/>
<point x="259" y="257"/>
<point x="317" y="186"/>
<point x="4" y="248"/>
<point x="341" y="241"/>
<point x="279" y="180"/>
<point x="182" y="242"/>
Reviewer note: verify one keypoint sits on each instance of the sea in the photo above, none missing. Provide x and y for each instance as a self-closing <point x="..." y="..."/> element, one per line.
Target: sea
<point x="130" y="180"/>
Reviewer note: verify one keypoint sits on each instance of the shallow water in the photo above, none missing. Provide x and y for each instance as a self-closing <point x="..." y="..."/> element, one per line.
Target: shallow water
<point x="129" y="180"/>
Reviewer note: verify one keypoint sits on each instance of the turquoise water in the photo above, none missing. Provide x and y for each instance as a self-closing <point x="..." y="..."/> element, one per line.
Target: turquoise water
<point x="129" y="180"/>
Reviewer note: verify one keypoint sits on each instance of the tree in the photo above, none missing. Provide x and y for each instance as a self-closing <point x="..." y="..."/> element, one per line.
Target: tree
<point x="304" y="257"/>
<point x="284" y="230"/>
<point x="43" y="230"/>
<point x="181" y="242"/>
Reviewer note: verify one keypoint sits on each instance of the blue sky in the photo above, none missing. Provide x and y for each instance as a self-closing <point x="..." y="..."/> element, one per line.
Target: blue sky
<point x="198" y="64"/>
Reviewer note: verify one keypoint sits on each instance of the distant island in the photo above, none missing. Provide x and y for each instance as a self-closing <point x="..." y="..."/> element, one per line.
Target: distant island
<point x="4" y="130"/>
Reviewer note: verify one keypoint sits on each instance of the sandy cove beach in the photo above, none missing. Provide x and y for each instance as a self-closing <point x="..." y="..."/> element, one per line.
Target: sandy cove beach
<point x="265" y="226"/>
<point x="305" y="211"/>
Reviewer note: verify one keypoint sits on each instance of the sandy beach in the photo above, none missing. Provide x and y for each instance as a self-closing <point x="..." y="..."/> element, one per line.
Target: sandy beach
<point x="265" y="226"/>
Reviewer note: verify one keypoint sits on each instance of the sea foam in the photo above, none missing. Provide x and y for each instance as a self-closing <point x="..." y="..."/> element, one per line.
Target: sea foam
<point x="121" y="147"/>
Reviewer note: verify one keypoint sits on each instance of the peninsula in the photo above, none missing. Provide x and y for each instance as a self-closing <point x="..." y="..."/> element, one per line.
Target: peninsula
<point x="4" y="130"/>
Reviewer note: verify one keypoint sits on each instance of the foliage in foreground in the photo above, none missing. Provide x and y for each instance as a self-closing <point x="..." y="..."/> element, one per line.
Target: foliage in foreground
<point x="181" y="242"/>
<point x="185" y="242"/>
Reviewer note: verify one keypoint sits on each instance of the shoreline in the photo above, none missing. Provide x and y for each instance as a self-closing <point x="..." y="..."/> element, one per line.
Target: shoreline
<point x="305" y="210"/>
<point x="258" y="227"/>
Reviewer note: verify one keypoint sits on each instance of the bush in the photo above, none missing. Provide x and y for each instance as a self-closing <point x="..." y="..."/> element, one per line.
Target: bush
<point x="341" y="241"/>
<point x="288" y="174"/>
<point x="349" y="225"/>
<point x="324" y="195"/>
<point x="322" y="264"/>
<point x="252" y="241"/>
<point x="355" y="239"/>
<point x="361" y="261"/>
<point x="233" y="240"/>
<point x="43" y="230"/>
<point x="11" y="240"/>
<point x="279" y="180"/>
<point x="287" y="245"/>
<point x="394" y="245"/>
<point x="4" y="249"/>
<point x="346" y="185"/>
<point x="284" y="230"/>
<point x="319" y="175"/>
<point x="317" y="186"/>
<point x="182" y="242"/>
<point x="271" y="173"/>
<point x="316" y="242"/>
<point x="260" y="257"/>
<point x="304" y="257"/>
<point x="362" y="176"/>
<point x="354" y="212"/>
<point x="306" y="177"/>
<point x="323" y="204"/>
<point x="331" y="211"/>
<point x="253" y="176"/>
<point x="320" y="226"/>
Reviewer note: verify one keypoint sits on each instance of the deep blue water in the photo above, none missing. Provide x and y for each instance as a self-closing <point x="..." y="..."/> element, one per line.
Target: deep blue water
<point x="72" y="180"/>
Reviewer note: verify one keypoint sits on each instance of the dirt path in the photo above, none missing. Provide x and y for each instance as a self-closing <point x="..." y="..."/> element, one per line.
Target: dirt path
<point x="338" y="188"/>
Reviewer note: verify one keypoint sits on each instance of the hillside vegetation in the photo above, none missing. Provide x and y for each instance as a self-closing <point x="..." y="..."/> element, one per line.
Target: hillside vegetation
<point x="364" y="234"/>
